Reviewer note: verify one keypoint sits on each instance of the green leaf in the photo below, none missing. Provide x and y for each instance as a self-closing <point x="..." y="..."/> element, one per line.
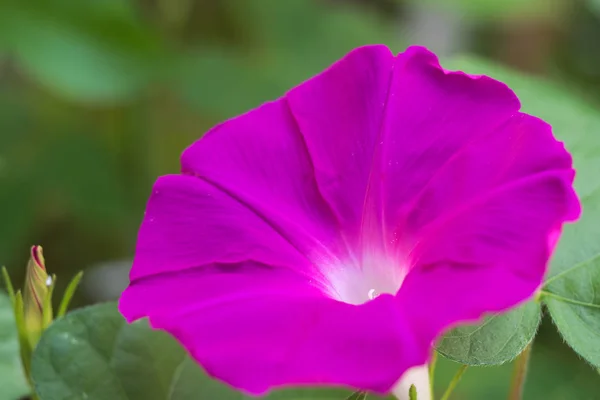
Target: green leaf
<point x="498" y="339"/>
<point x="579" y="323"/>
<point x="579" y="248"/>
<point x="575" y="122"/>
<point x="92" y="353"/>
<point x="13" y="384"/>
<point x="185" y="384"/>
<point x="572" y="293"/>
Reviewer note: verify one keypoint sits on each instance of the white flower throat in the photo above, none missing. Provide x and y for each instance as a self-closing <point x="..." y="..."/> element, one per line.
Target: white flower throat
<point x="358" y="284"/>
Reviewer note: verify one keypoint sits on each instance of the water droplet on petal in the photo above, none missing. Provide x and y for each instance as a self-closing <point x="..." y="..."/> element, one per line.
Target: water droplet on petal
<point x="372" y="294"/>
<point x="49" y="281"/>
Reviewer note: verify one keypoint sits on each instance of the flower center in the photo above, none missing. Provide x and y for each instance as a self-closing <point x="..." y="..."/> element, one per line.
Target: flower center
<point x="358" y="284"/>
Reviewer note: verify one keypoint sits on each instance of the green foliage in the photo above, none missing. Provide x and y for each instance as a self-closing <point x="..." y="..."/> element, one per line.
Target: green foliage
<point x="92" y="353"/>
<point x="12" y="381"/>
<point x="498" y="339"/>
<point x="572" y="293"/>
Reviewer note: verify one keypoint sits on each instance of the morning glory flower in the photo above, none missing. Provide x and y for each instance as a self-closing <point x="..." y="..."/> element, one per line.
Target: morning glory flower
<point x="330" y="236"/>
<point x="35" y="293"/>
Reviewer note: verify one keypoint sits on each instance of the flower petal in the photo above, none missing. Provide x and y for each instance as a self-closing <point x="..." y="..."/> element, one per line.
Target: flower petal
<point x="523" y="147"/>
<point x="432" y="115"/>
<point x="257" y="327"/>
<point x="485" y="192"/>
<point x="340" y="114"/>
<point x="261" y="158"/>
<point x="488" y="256"/>
<point x="190" y="223"/>
<point x="304" y="161"/>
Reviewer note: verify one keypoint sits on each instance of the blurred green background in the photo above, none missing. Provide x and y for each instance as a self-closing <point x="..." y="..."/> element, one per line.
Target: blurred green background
<point x="99" y="97"/>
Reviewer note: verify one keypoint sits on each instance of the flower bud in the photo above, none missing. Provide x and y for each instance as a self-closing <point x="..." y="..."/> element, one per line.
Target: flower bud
<point x="36" y="305"/>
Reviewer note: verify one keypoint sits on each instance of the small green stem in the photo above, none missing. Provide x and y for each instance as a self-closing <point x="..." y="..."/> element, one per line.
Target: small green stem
<point x="519" y="374"/>
<point x="454" y="382"/>
<point x="432" y="365"/>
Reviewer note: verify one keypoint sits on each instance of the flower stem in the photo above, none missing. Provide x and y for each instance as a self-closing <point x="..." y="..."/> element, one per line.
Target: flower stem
<point x="454" y="382"/>
<point x="519" y="374"/>
<point x="432" y="365"/>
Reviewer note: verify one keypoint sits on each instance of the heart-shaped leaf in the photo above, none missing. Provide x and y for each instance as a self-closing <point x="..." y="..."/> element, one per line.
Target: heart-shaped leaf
<point x="498" y="339"/>
<point x="572" y="292"/>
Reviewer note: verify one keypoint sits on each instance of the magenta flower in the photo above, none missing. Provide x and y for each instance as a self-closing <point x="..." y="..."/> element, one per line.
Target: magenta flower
<point x="329" y="237"/>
